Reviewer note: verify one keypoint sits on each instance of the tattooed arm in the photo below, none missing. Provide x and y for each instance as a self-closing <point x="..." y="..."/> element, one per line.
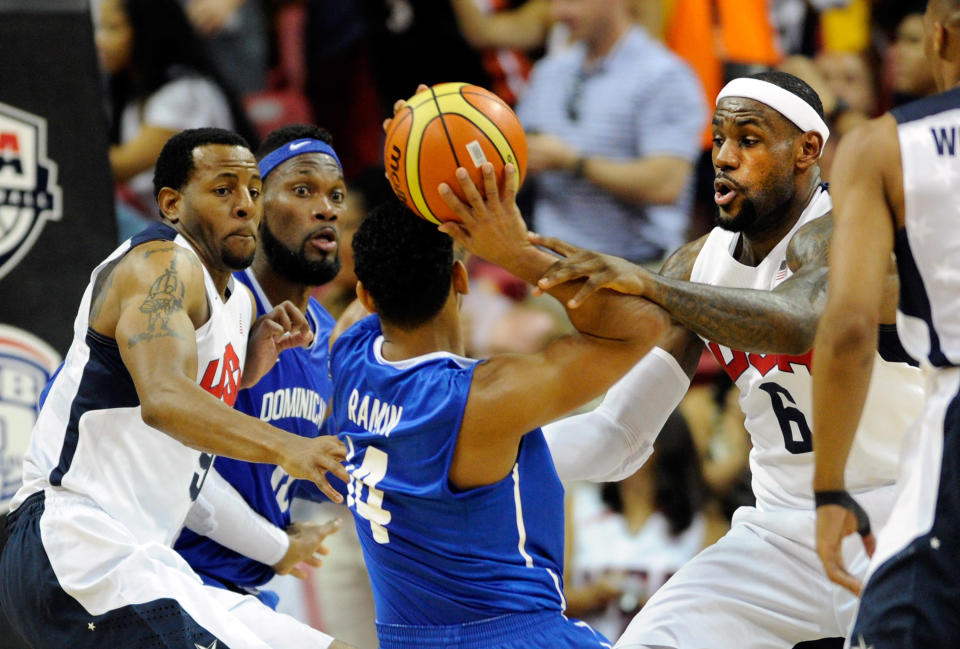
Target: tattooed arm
<point x="783" y="320"/>
<point x="151" y="304"/>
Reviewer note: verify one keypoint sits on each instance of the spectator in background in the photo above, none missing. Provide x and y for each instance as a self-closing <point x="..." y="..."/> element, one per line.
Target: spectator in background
<point x="502" y="31"/>
<point x="417" y="41"/>
<point x="852" y="78"/>
<point x="159" y="83"/>
<point x="910" y="74"/>
<point x="646" y="527"/>
<point x="234" y="36"/>
<point x="340" y="79"/>
<point x="614" y="125"/>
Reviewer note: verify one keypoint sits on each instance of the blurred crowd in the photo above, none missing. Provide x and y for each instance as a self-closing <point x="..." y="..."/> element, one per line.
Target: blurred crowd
<point x="615" y="96"/>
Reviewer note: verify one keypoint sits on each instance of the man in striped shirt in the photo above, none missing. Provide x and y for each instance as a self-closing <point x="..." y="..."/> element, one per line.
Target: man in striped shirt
<point x="615" y="123"/>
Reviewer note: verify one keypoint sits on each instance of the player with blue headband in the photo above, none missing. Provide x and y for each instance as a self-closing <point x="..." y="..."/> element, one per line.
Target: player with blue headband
<point x="298" y="147"/>
<point x="225" y="541"/>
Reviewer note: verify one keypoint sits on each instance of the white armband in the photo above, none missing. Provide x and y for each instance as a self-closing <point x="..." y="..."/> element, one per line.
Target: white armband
<point x="221" y="513"/>
<point x="614" y="440"/>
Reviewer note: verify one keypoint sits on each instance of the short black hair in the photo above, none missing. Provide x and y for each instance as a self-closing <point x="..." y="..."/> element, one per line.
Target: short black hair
<point x="175" y="163"/>
<point x="793" y="84"/>
<point x="405" y="264"/>
<point x="290" y="133"/>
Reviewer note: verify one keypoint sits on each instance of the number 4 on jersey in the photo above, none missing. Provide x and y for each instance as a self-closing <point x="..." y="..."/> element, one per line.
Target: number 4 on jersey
<point x="370" y="472"/>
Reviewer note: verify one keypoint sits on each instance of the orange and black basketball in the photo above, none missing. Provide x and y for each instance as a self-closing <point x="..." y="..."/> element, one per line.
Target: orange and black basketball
<point x="447" y="126"/>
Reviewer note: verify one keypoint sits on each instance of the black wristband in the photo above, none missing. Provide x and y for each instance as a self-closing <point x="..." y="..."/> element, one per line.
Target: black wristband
<point x="845" y="500"/>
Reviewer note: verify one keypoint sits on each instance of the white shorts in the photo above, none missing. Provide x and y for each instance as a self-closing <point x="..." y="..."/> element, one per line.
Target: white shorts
<point x="761" y="586"/>
<point x="111" y="591"/>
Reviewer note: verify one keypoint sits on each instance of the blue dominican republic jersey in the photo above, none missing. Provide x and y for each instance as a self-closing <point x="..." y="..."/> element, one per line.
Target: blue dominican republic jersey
<point x="292" y="396"/>
<point x="437" y="555"/>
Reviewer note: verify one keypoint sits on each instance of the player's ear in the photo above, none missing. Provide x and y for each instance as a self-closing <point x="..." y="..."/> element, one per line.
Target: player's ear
<point x="460" y="278"/>
<point x="810" y="148"/>
<point x="365" y="298"/>
<point x="169" y="200"/>
<point x="938" y="37"/>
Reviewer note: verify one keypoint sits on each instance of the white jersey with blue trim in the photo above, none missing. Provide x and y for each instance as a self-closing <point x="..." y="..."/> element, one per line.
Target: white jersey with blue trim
<point x="928" y="263"/>
<point x="928" y="256"/>
<point x="776" y="389"/>
<point x="438" y="555"/>
<point x="90" y="438"/>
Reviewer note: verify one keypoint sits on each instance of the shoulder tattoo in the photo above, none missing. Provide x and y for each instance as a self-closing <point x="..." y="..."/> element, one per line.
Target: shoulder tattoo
<point x="164" y="299"/>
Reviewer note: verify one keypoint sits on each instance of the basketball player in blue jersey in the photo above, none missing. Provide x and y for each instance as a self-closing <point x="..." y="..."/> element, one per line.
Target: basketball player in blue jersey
<point x="898" y="178"/>
<point x="752" y="290"/>
<point x="453" y="488"/>
<point x="303" y="196"/>
<point x="164" y="340"/>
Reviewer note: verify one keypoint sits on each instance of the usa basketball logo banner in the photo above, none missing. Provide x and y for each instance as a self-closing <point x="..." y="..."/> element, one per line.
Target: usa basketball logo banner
<point x="29" y="194"/>
<point x="26" y="364"/>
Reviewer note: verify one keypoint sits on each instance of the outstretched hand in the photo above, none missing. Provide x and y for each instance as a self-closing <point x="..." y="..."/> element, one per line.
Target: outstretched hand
<point x="601" y="271"/>
<point x="487" y="225"/>
<point x="282" y="328"/>
<point x="306" y="542"/>
<point x="835" y="522"/>
<point x="311" y="459"/>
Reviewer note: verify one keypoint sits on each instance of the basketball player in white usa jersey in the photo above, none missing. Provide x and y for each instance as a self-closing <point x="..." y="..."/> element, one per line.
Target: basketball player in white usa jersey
<point x="754" y="295"/>
<point x="128" y="431"/>
<point x="898" y="180"/>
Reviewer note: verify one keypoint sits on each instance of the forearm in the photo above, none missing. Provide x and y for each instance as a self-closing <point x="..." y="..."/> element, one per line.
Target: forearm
<point x="841" y="377"/>
<point x="231" y="522"/>
<point x="183" y="410"/>
<point x="614" y="440"/>
<point x="605" y="314"/>
<point x="521" y="28"/>
<point x="765" y="322"/>
<point x="653" y="181"/>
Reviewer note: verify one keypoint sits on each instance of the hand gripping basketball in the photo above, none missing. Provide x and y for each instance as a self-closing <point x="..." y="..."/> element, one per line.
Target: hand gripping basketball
<point x="444" y="127"/>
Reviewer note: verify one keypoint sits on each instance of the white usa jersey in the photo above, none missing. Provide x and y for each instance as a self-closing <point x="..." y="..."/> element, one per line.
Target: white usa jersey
<point x="776" y="389"/>
<point x="928" y="262"/>
<point x="927" y="248"/>
<point x="90" y="438"/>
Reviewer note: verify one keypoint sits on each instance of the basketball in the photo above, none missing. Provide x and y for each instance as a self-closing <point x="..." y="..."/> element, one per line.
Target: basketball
<point x="447" y="126"/>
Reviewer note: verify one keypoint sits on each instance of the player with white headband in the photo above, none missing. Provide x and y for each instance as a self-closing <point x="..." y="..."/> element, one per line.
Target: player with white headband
<point x="753" y="290"/>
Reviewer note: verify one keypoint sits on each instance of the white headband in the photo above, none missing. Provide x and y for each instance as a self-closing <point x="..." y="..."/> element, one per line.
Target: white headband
<point x="783" y="101"/>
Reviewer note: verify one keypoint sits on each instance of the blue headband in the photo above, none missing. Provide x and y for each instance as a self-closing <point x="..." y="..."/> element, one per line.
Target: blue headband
<point x="295" y="148"/>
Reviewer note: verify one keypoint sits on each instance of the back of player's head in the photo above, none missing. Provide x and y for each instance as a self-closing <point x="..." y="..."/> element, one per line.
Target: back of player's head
<point x="793" y="84"/>
<point x="404" y="263"/>
<point x="291" y="133"/>
<point x="176" y="163"/>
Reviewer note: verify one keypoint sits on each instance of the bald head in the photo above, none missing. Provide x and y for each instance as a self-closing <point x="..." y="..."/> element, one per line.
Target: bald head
<point x="945" y="12"/>
<point x="944" y="6"/>
<point x="941" y="27"/>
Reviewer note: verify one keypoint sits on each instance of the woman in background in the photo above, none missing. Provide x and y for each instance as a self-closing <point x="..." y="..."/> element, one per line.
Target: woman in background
<point x="159" y="82"/>
<point x="632" y="536"/>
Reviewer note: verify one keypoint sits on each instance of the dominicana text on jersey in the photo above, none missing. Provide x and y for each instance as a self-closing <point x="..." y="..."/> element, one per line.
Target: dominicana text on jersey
<point x="292" y="396"/>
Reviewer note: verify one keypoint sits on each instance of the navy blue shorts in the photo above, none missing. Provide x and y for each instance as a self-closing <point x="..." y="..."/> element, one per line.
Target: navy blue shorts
<point x="49" y="618"/>
<point x="913" y="599"/>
